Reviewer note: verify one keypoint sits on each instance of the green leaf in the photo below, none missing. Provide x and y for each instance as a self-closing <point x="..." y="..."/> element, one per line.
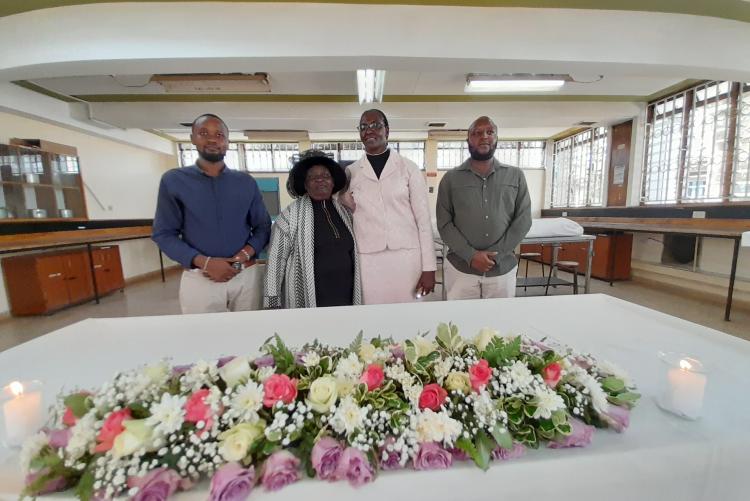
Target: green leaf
<point x="282" y="356"/>
<point x="428" y="360"/>
<point x="448" y="338"/>
<point x="499" y="351"/>
<point x="356" y="344"/>
<point x="85" y="488"/>
<point x="627" y="399"/>
<point x="484" y="445"/>
<point x="502" y="436"/>
<point x="612" y="384"/>
<point x="79" y="404"/>
<point x="410" y="352"/>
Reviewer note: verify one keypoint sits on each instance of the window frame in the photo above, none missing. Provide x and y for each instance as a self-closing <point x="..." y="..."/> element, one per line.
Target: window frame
<point x="568" y="146"/>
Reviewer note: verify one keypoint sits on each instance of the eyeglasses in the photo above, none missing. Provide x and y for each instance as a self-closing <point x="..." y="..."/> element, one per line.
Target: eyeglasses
<point x="371" y="126"/>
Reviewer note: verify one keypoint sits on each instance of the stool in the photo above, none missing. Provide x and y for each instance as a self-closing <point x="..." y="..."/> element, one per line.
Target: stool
<point x="528" y="256"/>
<point x="570" y="266"/>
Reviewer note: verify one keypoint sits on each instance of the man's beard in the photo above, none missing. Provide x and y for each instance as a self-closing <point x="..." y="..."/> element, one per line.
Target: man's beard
<point x="211" y="157"/>
<point x="482" y="157"/>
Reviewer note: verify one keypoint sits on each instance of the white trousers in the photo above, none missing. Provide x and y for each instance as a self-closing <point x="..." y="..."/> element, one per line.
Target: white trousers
<point x="199" y="294"/>
<point x="466" y="286"/>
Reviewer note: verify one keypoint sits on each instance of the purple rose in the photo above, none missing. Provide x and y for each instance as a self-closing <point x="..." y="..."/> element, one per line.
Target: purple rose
<point x="279" y="470"/>
<point x="325" y="458"/>
<point x="354" y="467"/>
<point x="232" y="482"/>
<point x="59" y="438"/>
<point x="52" y="485"/>
<point x="181" y="369"/>
<point x="516" y="452"/>
<point x="617" y="417"/>
<point x="390" y="459"/>
<point x="580" y="436"/>
<point x="264" y="361"/>
<point x="224" y="361"/>
<point x="458" y="455"/>
<point x="299" y="358"/>
<point x="397" y="351"/>
<point x="156" y="485"/>
<point x="432" y="457"/>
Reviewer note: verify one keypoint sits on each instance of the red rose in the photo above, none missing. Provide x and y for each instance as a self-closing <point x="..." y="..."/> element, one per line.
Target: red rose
<point x="111" y="428"/>
<point x="552" y="374"/>
<point x="373" y="376"/>
<point x="432" y="397"/>
<point x="69" y="419"/>
<point x="480" y="374"/>
<point x="279" y="388"/>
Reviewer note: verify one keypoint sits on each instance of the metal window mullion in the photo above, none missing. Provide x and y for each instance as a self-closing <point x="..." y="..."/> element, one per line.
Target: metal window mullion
<point x="668" y="150"/>
<point x="686" y="139"/>
<point x="730" y="141"/>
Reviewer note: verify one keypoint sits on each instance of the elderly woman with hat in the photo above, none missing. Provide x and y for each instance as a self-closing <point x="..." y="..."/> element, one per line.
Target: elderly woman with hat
<point x="312" y="258"/>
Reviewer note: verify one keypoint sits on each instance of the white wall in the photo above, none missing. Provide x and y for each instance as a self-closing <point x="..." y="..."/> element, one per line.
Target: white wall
<point x="124" y="178"/>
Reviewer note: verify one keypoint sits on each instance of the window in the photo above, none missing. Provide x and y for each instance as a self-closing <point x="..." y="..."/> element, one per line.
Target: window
<point x="354" y="150"/>
<point x="578" y="169"/>
<point x="270" y="157"/>
<point x="697" y="146"/>
<point x="524" y="154"/>
<point x="189" y="154"/>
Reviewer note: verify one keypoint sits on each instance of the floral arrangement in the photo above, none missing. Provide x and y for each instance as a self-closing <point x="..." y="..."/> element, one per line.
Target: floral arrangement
<point x="335" y="413"/>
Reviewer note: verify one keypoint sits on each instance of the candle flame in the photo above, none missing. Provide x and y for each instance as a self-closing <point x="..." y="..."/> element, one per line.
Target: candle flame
<point x="685" y="365"/>
<point x="16" y="388"/>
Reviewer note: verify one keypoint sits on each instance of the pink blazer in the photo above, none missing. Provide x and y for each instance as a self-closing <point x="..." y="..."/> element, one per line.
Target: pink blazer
<point x="391" y="212"/>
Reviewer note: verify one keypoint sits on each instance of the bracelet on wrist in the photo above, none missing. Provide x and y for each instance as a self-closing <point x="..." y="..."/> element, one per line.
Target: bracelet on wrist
<point x="205" y="263"/>
<point x="247" y="254"/>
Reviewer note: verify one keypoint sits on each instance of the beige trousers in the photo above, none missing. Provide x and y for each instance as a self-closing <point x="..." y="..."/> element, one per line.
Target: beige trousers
<point x="466" y="286"/>
<point x="199" y="294"/>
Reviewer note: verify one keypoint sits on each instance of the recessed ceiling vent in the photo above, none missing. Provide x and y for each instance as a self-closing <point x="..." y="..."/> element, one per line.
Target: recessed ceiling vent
<point x="214" y="83"/>
<point x="436" y="124"/>
<point x="585" y="124"/>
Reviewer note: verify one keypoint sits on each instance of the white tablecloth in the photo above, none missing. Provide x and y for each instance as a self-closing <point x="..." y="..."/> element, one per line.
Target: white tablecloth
<point x="659" y="457"/>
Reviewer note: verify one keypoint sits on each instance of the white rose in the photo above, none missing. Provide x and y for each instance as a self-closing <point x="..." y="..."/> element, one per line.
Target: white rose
<point x="484" y="337"/>
<point x="158" y="373"/>
<point x="235" y="372"/>
<point x="235" y="443"/>
<point x="367" y="352"/>
<point x="423" y="346"/>
<point x="323" y="394"/>
<point x="137" y="435"/>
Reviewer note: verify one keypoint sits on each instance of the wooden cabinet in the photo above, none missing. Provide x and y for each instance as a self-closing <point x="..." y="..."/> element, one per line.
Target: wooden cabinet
<point x="611" y="259"/>
<point x="108" y="269"/>
<point x="42" y="283"/>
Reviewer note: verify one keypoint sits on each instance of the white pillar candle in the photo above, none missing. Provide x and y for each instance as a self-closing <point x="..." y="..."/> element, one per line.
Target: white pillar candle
<point x="22" y="411"/>
<point x="687" y="386"/>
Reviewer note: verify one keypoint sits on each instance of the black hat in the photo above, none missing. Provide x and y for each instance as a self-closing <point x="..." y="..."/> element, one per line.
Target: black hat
<point x="295" y="184"/>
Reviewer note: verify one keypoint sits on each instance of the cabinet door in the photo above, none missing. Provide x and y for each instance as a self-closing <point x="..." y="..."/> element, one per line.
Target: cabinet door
<point x="78" y="276"/>
<point x="51" y="272"/>
<point x="114" y="267"/>
<point x="100" y="270"/>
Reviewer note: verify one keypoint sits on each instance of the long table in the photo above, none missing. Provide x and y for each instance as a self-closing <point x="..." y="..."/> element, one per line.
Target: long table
<point x="659" y="457"/>
<point x="555" y="243"/>
<point x="730" y="229"/>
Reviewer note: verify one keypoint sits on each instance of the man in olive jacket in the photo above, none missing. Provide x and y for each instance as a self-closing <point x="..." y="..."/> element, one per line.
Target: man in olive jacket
<point x="483" y="213"/>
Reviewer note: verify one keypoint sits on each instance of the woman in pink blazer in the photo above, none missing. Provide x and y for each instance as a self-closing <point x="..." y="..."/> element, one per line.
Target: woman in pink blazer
<point x="388" y="197"/>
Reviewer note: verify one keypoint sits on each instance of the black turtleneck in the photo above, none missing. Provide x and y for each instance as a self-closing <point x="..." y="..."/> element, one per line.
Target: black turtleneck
<point x="334" y="257"/>
<point x="378" y="161"/>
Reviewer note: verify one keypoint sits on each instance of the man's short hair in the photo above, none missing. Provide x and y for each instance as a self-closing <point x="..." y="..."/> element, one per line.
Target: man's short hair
<point x="375" y="110"/>
<point x="209" y="115"/>
<point x="483" y="118"/>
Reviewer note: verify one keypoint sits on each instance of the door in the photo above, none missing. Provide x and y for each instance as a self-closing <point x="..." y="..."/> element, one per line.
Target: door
<point x="51" y="272"/>
<point x="78" y="276"/>
<point x="619" y="165"/>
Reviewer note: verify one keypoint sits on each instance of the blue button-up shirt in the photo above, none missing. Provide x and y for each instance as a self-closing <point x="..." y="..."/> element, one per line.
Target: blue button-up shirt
<point x="213" y="216"/>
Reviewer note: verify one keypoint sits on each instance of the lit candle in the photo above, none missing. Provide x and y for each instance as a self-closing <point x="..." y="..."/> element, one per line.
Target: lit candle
<point x="22" y="411"/>
<point x="687" y="385"/>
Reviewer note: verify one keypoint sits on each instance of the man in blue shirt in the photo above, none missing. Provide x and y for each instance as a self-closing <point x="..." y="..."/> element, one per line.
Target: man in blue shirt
<point x="211" y="219"/>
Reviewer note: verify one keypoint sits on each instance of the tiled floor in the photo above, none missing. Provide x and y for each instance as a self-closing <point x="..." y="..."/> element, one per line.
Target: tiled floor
<point x="156" y="298"/>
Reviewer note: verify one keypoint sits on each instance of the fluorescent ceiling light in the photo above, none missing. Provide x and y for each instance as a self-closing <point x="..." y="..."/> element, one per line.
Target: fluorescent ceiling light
<point x="370" y="85"/>
<point x="232" y="83"/>
<point x="515" y="83"/>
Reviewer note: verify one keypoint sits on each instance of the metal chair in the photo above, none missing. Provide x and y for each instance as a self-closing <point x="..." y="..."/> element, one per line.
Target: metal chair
<point x="528" y="256"/>
<point x="569" y="266"/>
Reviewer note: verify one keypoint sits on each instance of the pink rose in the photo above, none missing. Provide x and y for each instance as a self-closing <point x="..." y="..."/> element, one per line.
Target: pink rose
<point x="516" y="452"/>
<point x="617" y="418"/>
<point x="232" y="482"/>
<point x="373" y="376"/>
<point x="551" y="374"/>
<point x="279" y="388"/>
<point x="354" y="467"/>
<point x="580" y="436"/>
<point x="325" y="457"/>
<point x="458" y="454"/>
<point x="58" y="439"/>
<point x="111" y="428"/>
<point x="52" y="485"/>
<point x="432" y="457"/>
<point x="390" y="459"/>
<point x="280" y="470"/>
<point x="156" y="485"/>
<point x="69" y="419"/>
<point x="196" y="408"/>
<point x="480" y="374"/>
<point x="432" y="397"/>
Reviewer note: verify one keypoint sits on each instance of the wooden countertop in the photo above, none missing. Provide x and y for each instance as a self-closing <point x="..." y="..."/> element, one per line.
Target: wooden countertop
<point x="27" y="241"/>
<point x="731" y="228"/>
